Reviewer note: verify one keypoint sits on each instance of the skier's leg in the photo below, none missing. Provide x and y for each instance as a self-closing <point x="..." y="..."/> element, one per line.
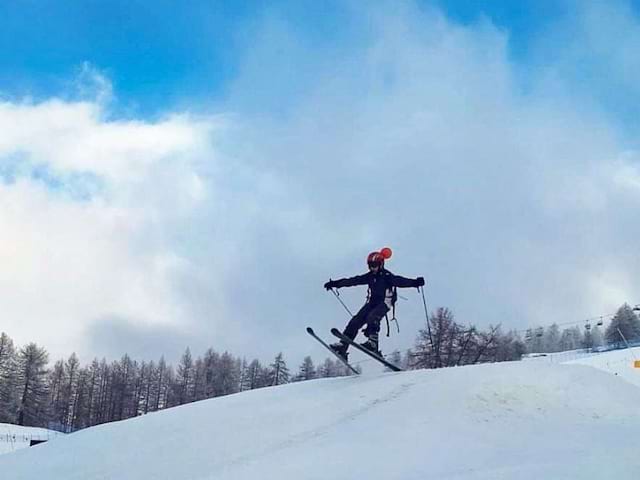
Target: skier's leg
<point x="351" y="330"/>
<point x="357" y="321"/>
<point x="373" y="327"/>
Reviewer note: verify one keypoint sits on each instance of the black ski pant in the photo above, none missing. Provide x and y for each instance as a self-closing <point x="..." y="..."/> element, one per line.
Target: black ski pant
<point x="369" y="315"/>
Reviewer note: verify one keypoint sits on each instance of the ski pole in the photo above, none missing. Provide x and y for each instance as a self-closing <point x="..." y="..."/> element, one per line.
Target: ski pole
<point x="340" y="300"/>
<point x="426" y="312"/>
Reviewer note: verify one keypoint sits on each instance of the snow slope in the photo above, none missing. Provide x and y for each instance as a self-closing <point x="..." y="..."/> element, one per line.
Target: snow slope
<point x="14" y="437"/>
<point x="520" y="420"/>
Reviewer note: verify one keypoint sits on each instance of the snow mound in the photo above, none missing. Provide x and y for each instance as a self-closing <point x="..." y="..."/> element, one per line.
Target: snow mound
<point x="520" y="420"/>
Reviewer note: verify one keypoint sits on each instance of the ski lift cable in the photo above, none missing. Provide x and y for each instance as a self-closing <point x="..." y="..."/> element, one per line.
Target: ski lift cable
<point x="599" y="318"/>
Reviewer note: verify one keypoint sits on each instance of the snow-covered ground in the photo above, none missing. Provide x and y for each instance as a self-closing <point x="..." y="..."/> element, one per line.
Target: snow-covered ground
<point x="14" y="437"/>
<point x="618" y="362"/>
<point x="519" y="420"/>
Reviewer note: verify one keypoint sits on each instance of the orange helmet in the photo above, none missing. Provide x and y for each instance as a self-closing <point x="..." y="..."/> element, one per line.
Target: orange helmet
<point x="376" y="259"/>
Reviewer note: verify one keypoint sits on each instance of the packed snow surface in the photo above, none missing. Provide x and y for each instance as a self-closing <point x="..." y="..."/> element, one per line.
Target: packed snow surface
<point x="519" y="420"/>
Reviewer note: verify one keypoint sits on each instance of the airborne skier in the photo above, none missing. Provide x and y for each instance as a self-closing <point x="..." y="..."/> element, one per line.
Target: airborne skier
<point x="380" y="298"/>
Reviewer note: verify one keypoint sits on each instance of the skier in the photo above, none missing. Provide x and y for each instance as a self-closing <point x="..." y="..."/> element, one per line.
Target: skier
<point x="380" y="298"/>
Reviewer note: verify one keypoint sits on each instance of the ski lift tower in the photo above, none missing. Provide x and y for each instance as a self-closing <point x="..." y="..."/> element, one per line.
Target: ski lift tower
<point x="636" y="363"/>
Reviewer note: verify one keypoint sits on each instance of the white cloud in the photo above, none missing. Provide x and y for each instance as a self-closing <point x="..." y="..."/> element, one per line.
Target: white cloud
<point x="422" y="137"/>
<point x="517" y="206"/>
<point x="68" y="262"/>
<point x="74" y="136"/>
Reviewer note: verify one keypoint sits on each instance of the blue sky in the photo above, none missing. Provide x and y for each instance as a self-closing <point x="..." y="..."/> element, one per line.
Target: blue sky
<point x="167" y="54"/>
<point x="154" y="52"/>
<point x="174" y="162"/>
<point x="159" y="54"/>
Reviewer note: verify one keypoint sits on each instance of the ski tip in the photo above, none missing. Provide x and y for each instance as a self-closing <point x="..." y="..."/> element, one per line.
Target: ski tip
<point x="310" y="330"/>
<point x="335" y="331"/>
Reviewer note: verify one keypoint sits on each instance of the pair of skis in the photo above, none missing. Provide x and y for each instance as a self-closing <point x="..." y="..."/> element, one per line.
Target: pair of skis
<point x="373" y="355"/>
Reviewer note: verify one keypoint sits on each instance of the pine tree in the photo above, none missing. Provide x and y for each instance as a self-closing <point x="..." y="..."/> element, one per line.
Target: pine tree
<point x="103" y="393"/>
<point x="199" y="380"/>
<point x="139" y="389"/>
<point x="587" y="339"/>
<point x="240" y="365"/>
<point x="535" y="343"/>
<point x="569" y="340"/>
<point x="252" y="376"/>
<point x="329" y="369"/>
<point x="7" y="379"/>
<point x="31" y="378"/>
<point x="166" y="394"/>
<point x="56" y="382"/>
<point x="210" y="364"/>
<point x="625" y="324"/>
<point x="509" y="347"/>
<point x="123" y="387"/>
<point x="183" y="387"/>
<point x="551" y="340"/>
<point x="69" y="390"/>
<point x="80" y="401"/>
<point x="265" y="377"/>
<point x="597" y="337"/>
<point x="149" y="387"/>
<point x="161" y="389"/>
<point x="307" y="370"/>
<point x="244" y="371"/>
<point x="279" y="370"/>
<point x="226" y="376"/>
<point x="94" y="388"/>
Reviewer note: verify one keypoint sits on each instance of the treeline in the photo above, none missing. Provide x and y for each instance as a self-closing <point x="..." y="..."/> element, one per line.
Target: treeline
<point x="444" y="342"/>
<point x="69" y="396"/>
<point x="624" y="327"/>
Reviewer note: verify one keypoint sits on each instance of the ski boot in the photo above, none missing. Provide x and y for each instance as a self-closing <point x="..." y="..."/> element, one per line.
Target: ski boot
<point x="340" y="349"/>
<point x="372" y="345"/>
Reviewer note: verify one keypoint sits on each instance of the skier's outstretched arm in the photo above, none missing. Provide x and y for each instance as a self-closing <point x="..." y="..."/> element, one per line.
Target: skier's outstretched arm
<point x="403" y="282"/>
<point x="348" y="282"/>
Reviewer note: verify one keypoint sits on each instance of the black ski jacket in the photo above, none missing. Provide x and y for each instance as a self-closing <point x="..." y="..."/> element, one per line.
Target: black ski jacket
<point x="379" y="284"/>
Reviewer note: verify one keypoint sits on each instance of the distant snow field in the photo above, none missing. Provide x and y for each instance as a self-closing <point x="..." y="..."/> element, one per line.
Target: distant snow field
<point x="15" y="437"/>
<point x="618" y="362"/>
<point x="516" y="420"/>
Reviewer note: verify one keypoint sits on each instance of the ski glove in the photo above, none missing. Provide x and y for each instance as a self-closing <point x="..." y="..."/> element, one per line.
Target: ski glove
<point x="329" y="285"/>
<point x="419" y="282"/>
